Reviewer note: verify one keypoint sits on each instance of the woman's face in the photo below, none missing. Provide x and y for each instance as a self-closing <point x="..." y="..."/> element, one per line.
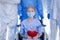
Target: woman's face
<point x="31" y="12"/>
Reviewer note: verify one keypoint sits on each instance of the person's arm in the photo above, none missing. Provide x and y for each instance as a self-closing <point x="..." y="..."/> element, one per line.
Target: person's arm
<point x="39" y="35"/>
<point x="22" y="32"/>
<point x="23" y="36"/>
<point x="40" y="32"/>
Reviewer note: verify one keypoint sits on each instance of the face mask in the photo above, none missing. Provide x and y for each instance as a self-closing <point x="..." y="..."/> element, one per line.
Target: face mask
<point x="31" y="14"/>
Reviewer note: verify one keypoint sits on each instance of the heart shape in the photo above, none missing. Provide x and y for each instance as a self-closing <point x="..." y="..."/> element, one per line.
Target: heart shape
<point x="31" y="33"/>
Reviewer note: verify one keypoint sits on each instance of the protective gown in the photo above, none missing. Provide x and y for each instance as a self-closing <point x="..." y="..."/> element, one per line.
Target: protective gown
<point x="55" y="18"/>
<point x="8" y="19"/>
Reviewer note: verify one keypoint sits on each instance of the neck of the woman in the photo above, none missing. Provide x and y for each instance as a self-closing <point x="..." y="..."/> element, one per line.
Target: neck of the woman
<point x="30" y="19"/>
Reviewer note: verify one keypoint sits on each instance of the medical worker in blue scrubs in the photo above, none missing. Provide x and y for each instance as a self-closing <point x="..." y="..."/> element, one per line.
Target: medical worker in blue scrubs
<point x="31" y="23"/>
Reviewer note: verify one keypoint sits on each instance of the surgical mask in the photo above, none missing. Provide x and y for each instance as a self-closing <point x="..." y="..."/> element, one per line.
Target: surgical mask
<point x="31" y="14"/>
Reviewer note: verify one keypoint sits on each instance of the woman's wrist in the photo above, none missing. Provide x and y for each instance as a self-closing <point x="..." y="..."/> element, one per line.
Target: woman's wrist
<point x="39" y="35"/>
<point x="25" y="37"/>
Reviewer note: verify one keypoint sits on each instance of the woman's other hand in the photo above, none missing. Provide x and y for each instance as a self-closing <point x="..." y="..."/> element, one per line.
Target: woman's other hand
<point x="38" y="36"/>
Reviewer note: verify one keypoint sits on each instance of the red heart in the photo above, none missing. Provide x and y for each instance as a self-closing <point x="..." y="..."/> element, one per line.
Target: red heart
<point x="32" y="33"/>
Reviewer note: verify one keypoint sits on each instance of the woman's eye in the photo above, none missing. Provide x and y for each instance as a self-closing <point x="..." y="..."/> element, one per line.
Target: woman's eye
<point x="30" y="11"/>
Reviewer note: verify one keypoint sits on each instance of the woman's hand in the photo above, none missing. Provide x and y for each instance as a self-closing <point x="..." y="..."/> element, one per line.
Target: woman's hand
<point x="38" y="36"/>
<point x="29" y="37"/>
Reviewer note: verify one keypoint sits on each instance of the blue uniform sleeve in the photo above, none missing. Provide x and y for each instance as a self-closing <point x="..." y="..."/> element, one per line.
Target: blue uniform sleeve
<point x="40" y="29"/>
<point x="21" y="29"/>
<point x="40" y="8"/>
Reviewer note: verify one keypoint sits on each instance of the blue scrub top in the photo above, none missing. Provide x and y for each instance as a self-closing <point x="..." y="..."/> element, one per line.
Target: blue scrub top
<point x="37" y="4"/>
<point x="33" y="25"/>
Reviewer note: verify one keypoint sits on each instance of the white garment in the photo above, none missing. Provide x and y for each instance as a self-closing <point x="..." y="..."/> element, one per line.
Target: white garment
<point x="55" y="21"/>
<point x="10" y="1"/>
<point x="8" y="16"/>
<point x="58" y="12"/>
